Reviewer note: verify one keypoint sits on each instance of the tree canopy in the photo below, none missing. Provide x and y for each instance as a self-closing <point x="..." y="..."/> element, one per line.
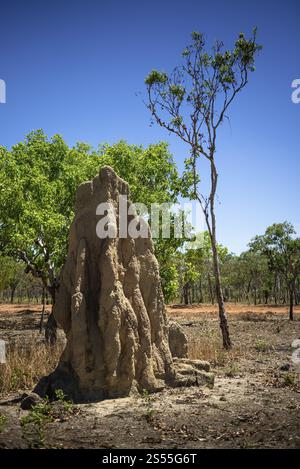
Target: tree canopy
<point x="282" y="250"/>
<point x="38" y="181"/>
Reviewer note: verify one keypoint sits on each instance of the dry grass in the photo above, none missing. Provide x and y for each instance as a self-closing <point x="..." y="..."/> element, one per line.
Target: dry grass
<point x="207" y="350"/>
<point x="25" y="366"/>
<point x="212" y="351"/>
<point x="206" y="344"/>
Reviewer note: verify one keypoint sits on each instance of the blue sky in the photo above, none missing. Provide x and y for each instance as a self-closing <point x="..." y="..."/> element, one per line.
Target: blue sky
<point x="76" y="67"/>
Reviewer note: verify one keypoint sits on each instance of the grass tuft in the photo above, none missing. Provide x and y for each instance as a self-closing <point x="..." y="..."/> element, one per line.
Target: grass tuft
<point x="26" y="365"/>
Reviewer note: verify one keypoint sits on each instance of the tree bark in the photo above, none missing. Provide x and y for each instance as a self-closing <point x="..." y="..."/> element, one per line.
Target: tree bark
<point x="51" y="326"/>
<point x="216" y="264"/>
<point x="291" y="311"/>
<point x="12" y="295"/>
<point x="186" y="293"/>
<point x="200" y="292"/>
<point x="222" y="313"/>
<point x="255" y="296"/>
<point x="43" y="310"/>
<point x="210" y="289"/>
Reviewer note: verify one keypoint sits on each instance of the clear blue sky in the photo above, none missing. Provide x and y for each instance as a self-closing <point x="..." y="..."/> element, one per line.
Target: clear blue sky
<point x="74" y="67"/>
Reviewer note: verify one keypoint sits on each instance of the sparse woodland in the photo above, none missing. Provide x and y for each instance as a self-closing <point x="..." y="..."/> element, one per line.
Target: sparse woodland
<point x="237" y="314"/>
<point x="39" y="178"/>
<point x="188" y="278"/>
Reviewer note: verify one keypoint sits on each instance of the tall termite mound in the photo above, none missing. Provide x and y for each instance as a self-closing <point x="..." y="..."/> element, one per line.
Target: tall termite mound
<point x="111" y="307"/>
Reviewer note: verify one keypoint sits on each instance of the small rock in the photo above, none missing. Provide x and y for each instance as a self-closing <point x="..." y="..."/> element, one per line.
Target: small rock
<point x="198" y="364"/>
<point x="29" y="400"/>
<point x="178" y="342"/>
<point x="285" y="367"/>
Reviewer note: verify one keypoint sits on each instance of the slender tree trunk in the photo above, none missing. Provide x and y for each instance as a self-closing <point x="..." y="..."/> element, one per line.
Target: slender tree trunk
<point x="200" y="292"/>
<point x="266" y="298"/>
<point x="51" y="326"/>
<point x="291" y="311"/>
<point x="193" y="294"/>
<point x="186" y="294"/>
<point x="190" y="297"/>
<point x="222" y="312"/>
<point x="12" y="294"/>
<point x="248" y="292"/>
<point x="43" y="310"/>
<point x="296" y="297"/>
<point x="275" y="290"/>
<point x="298" y="289"/>
<point x="210" y="289"/>
<point x="212" y="231"/>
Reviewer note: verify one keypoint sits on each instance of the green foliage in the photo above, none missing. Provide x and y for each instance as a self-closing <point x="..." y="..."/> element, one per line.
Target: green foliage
<point x="192" y="103"/>
<point x="261" y="346"/>
<point x="39" y="414"/>
<point x="156" y="77"/>
<point x="11" y="273"/>
<point x="43" y="413"/>
<point x="170" y="279"/>
<point x="67" y="403"/>
<point x="38" y="182"/>
<point x="192" y="100"/>
<point x="153" y="178"/>
<point x="151" y="173"/>
<point x="145" y="394"/>
<point x="289" y="380"/>
<point x="247" y="275"/>
<point x="195" y="264"/>
<point x="150" y="411"/>
<point x="232" y="370"/>
<point x="282" y="251"/>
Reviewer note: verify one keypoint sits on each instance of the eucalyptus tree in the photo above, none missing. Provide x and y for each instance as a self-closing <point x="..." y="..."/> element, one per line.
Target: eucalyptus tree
<point x="282" y="250"/>
<point x="11" y="275"/>
<point x="195" y="268"/>
<point x="192" y="103"/>
<point x="38" y="182"/>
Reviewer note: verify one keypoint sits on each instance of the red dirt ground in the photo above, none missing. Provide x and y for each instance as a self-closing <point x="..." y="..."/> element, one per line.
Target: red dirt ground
<point x="194" y="309"/>
<point x="235" y="308"/>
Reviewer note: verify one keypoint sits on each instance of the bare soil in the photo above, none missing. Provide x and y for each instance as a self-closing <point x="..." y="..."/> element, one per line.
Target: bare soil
<point x="255" y="402"/>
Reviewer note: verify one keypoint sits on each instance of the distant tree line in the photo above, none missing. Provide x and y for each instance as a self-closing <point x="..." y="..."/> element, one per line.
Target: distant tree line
<point x="16" y="285"/>
<point x="38" y="182"/>
<point x="268" y="272"/>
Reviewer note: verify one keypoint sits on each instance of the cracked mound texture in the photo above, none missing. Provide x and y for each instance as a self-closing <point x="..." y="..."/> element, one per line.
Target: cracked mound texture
<point x="111" y="308"/>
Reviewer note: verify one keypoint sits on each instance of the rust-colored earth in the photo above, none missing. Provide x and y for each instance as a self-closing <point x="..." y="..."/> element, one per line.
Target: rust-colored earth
<point x="255" y="402"/>
<point x="174" y="309"/>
